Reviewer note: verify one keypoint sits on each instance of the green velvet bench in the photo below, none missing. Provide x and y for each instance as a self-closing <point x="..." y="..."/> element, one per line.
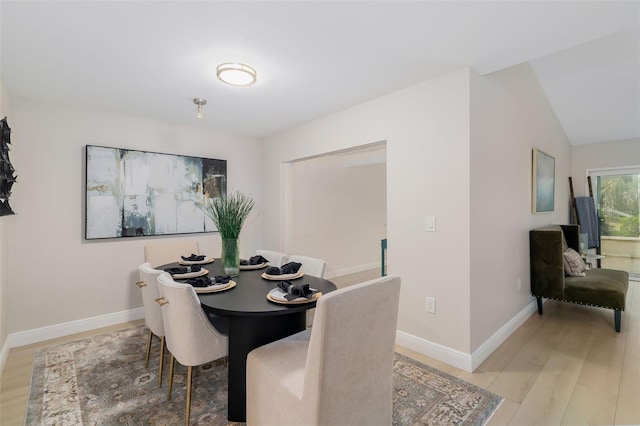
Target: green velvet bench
<point x="604" y="288"/>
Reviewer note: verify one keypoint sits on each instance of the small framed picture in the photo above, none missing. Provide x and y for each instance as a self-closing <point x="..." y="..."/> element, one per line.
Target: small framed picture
<point x="543" y="182"/>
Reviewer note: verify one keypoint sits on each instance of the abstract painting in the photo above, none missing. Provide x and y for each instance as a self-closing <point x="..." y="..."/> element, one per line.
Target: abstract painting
<point x="543" y="182"/>
<point x="133" y="193"/>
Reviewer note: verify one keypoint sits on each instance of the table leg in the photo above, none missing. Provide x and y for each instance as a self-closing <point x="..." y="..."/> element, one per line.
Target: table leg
<point x="246" y="334"/>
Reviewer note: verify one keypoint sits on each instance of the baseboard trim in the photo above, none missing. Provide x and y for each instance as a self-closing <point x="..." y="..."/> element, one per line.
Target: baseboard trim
<point x="332" y="273"/>
<point x="492" y="343"/>
<point x="463" y="360"/>
<point x="434" y="350"/>
<point x="72" y="327"/>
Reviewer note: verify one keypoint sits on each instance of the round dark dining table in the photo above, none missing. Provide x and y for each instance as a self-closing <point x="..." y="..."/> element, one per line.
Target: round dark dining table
<point x="253" y="321"/>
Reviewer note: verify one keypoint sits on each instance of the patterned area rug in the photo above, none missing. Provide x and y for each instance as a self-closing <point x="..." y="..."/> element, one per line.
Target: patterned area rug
<point x="102" y="381"/>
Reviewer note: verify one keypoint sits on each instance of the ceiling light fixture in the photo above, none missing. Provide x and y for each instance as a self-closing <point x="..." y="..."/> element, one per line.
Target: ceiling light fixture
<point x="236" y="74"/>
<point x="200" y="110"/>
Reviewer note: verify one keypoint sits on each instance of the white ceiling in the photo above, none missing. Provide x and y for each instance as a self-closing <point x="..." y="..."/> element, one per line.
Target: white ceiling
<point x="151" y="59"/>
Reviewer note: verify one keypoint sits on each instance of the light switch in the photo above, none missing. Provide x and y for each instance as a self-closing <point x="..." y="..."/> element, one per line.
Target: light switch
<point x="431" y="224"/>
<point x="430" y="305"/>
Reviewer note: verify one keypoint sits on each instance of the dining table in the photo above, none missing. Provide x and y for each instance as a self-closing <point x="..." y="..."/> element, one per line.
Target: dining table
<point x="253" y="319"/>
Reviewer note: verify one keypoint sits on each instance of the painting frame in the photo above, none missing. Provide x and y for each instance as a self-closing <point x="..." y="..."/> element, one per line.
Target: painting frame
<point x="543" y="182"/>
<point x="134" y="193"/>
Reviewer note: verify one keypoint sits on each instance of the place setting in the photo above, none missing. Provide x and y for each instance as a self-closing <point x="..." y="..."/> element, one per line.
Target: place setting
<point x="254" y="262"/>
<point x="287" y="293"/>
<point x="183" y="272"/>
<point x="195" y="259"/>
<point x="288" y="271"/>
<point x="210" y="285"/>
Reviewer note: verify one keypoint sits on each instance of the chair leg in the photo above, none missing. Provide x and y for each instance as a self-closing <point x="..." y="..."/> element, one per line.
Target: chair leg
<point x="171" y="363"/>
<point x="188" y="409"/>
<point x="161" y="361"/>
<point x="539" y="300"/>
<point x="146" y="363"/>
<point x="617" y="315"/>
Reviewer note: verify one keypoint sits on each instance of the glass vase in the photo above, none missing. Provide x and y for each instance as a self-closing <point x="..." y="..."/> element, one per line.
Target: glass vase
<point x="584" y="244"/>
<point x="230" y="257"/>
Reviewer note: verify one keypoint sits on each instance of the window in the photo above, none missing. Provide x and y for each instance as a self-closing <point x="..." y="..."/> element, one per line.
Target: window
<point x="617" y="198"/>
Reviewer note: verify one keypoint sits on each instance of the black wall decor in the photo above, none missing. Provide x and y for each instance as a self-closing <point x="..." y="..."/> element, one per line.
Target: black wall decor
<point x="7" y="177"/>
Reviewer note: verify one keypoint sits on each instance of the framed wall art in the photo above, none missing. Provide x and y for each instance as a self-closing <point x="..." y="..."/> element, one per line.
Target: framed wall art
<point x="133" y="193"/>
<point x="543" y="182"/>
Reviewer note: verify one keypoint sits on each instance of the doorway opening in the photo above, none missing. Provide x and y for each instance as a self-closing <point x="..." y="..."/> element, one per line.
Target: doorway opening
<point x="336" y="209"/>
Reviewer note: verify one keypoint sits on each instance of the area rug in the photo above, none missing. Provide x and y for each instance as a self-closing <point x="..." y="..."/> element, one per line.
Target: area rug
<point x="102" y="381"/>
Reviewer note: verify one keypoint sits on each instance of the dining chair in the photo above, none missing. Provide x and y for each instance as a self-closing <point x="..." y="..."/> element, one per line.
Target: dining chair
<point x="275" y="258"/>
<point x="310" y="266"/>
<point x="340" y="372"/>
<point x="169" y="251"/>
<point x="192" y="337"/>
<point x="148" y="285"/>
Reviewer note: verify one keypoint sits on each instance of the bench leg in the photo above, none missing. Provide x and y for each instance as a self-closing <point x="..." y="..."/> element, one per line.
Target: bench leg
<point x="618" y="319"/>
<point x="539" y="300"/>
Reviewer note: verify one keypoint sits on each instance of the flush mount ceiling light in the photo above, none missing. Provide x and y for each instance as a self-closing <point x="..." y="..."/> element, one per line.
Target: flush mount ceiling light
<point x="200" y="103"/>
<point x="236" y="74"/>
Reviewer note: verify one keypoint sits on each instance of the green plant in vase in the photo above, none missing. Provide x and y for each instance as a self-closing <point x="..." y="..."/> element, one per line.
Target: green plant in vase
<point x="228" y="213"/>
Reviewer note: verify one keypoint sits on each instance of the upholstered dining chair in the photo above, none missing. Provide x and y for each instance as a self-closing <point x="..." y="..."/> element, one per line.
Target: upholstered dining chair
<point x="340" y="372"/>
<point x="275" y="258"/>
<point x="192" y="337"/>
<point x="169" y="251"/>
<point x="310" y="266"/>
<point x="148" y="285"/>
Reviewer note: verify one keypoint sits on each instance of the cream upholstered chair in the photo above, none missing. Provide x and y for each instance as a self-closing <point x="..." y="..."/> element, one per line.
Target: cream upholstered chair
<point x="310" y="265"/>
<point x="275" y="258"/>
<point x="340" y="372"/>
<point x="314" y="267"/>
<point x="169" y="251"/>
<point x="152" y="316"/>
<point x="191" y="337"/>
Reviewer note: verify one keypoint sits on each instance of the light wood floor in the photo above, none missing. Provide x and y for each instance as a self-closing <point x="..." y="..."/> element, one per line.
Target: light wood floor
<point x="566" y="367"/>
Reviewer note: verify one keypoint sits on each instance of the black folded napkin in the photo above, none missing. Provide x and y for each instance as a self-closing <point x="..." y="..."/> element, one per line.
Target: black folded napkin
<point x="291" y="267"/>
<point x="293" y="291"/>
<point x="193" y="258"/>
<point x="183" y="270"/>
<point x="287" y="268"/>
<point x="208" y="282"/>
<point x="199" y="282"/>
<point x="273" y="270"/>
<point x="257" y="260"/>
<point x="222" y="279"/>
<point x="254" y="260"/>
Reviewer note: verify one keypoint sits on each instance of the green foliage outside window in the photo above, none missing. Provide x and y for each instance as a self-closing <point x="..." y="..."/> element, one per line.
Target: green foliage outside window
<point x="630" y="226"/>
<point x="619" y="205"/>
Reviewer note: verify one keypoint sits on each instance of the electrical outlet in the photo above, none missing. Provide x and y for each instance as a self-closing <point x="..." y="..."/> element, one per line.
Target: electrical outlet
<point x="519" y="283"/>
<point x="430" y="305"/>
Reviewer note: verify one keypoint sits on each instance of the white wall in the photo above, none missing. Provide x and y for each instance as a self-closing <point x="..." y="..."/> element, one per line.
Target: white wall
<point x="4" y="227"/>
<point x="601" y="155"/>
<point x="339" y="210"/>
<point x="455" y="145"/>
<point x="458" y="148"/>
<point x="510" y="115"/>
<point x="55" y="275"/>
<point x="426" y="127"/>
